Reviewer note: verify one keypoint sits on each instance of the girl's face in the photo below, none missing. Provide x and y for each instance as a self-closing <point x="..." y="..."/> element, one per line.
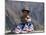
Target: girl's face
<point x="25" y="13"/>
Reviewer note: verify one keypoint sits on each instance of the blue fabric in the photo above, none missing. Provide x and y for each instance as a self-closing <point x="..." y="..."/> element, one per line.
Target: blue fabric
<point x="22" y="25"/>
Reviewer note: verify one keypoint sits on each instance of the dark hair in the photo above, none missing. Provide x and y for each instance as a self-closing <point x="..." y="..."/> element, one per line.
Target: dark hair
<point x="25" y="10"/>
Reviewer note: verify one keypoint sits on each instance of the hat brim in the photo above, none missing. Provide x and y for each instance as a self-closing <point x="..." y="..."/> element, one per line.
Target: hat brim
<point x="26" y="10"/>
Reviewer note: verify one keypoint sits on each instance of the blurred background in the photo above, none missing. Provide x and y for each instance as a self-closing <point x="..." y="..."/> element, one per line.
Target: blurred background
<point x="13" y="13"/>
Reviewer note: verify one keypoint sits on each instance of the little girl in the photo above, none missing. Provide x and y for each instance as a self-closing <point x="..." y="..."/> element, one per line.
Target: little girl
<point x="26" y="24"/>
